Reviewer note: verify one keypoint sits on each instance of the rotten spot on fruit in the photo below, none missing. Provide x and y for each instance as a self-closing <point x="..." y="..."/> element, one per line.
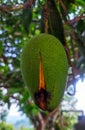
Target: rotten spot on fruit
<point x="41" y="96"/>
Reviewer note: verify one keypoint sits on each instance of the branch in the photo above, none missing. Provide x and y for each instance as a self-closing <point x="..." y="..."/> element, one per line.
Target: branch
<point x="53" y="114"/>
<point x="80" y="42"/>
<point x="76" y="19"/>
<point x="8" y="8"/>
<point x="41" y="121"/>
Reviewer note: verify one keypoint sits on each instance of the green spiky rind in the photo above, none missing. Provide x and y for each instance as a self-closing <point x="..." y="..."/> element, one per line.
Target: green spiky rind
<point x="55" y="66"/>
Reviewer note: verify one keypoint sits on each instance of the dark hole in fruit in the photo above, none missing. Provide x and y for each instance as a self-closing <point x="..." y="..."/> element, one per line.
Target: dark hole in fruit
<point x="42" y="98"/>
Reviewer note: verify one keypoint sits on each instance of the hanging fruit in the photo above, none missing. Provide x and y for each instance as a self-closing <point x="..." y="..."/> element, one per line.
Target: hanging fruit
<point x="44" y="68"/>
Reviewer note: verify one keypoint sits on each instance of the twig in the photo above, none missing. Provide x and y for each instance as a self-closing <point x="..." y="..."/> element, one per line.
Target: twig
<point x="46" y="14"/>
<point x="63" y="6"/>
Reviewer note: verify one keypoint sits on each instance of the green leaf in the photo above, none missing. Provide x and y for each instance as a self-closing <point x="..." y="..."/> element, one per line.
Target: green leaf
<point x="26" y="19"/>
<point x="1" y="48"/>
<point x="14" y="90"/>
<point x="25" y="96"/>
<point x="81" y="26"/>
<point x="81" y="2"/>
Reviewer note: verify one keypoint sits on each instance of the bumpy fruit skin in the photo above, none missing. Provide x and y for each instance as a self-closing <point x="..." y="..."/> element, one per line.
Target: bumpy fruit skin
<point x="55" y="66"/>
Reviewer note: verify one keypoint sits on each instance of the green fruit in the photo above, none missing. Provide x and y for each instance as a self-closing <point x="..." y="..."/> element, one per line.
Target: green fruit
<point x="44" y="67"/>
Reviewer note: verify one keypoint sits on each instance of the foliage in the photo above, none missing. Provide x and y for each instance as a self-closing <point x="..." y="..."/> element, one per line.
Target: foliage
<point x="18" y="25"/>
<point x="69" y="113"/>
<point x="68" y="121"/>
<point x="4" y="126"/>
<point x="3" y="111"/>
<point x="22" y="128"/>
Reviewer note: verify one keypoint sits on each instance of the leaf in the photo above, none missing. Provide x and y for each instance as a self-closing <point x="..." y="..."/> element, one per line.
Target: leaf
<point x="14" y="90"/>
<point x="55" y="25"/>
<point x="81" y="26"/>
<point x="81" y="2"/>
<point x="25" y="96"/>
<point x="1" y="48"/>
<point x="26" y="19"/>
